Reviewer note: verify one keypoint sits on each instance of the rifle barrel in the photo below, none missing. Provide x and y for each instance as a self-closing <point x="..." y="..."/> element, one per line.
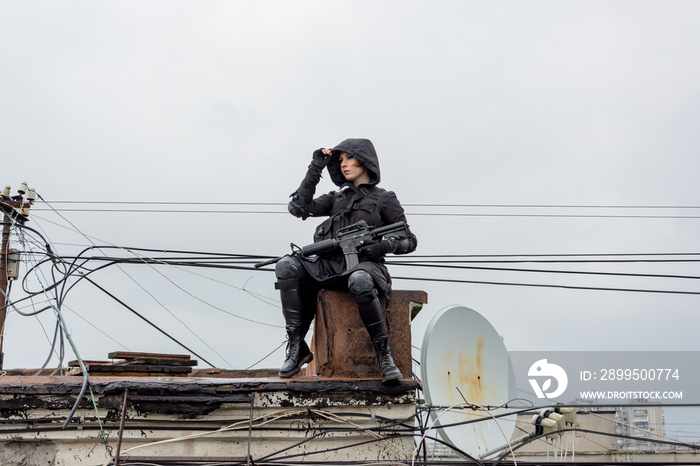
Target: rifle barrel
<point x="267" y="262"/>
<point x="388" y="228"/>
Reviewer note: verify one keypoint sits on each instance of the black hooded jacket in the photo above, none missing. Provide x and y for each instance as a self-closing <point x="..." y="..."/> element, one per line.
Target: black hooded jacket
<point x="348" y="205"/>
<point x="362" y="150"/>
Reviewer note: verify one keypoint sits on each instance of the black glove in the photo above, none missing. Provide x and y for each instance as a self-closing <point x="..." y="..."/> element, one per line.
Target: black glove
<point x="320" y="159"/>
<point x="376" y="250"/>
<point x="299" y="205"/>
<point x="302" y="198"/>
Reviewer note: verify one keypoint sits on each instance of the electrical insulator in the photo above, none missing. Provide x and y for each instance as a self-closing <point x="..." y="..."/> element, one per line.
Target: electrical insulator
<point x="6" y="192"/>
<point x="545" y="426"/>
<point x="568" y="413"/>
<point x="12" y="264"/>
<point x="22" y="188"/>
<point x="31" y="195"/>
<point x="553" y="415"/>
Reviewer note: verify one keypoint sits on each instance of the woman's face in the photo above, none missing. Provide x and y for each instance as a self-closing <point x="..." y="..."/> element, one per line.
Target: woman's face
<point x="352" y="169"/>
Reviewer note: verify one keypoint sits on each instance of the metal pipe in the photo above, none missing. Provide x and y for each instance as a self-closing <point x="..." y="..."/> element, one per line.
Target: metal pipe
<point x="121" y="428"/>
<point x="250" y="427"/>
<point x="493" y="451"/>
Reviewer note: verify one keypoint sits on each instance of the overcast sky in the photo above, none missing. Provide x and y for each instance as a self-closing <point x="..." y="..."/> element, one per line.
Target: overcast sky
<point x="533" y="103"/>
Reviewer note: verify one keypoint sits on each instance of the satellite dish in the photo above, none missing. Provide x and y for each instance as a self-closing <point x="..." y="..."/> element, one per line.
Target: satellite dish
<point x="463" y="360"/>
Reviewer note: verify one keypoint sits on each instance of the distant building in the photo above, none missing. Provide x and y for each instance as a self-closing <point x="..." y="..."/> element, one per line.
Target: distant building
<point x="592" y="438"/>
<point x="641" y="423"/>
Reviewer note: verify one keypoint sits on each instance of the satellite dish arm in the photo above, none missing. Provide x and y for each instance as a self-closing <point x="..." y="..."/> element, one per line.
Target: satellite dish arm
<point x="493" y="451"/>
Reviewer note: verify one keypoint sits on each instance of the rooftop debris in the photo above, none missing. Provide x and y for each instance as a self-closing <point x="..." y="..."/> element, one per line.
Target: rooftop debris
<point x="124" y="363"/>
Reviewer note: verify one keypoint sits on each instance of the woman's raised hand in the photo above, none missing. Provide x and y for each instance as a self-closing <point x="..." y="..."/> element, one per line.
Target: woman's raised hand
<point x="321" y="157"/>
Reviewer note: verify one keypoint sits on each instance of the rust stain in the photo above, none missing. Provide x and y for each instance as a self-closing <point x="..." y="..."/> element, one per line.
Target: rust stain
<point x="447" y="388"/>
<point x="470" y="381"/>
<point x="466" y="372"/>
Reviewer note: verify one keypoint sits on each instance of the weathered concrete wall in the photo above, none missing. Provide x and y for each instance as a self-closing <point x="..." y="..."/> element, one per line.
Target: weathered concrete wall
<point x="312" y="434"/>
<point x="28" y="453"/>
<point x="219" y="419"/>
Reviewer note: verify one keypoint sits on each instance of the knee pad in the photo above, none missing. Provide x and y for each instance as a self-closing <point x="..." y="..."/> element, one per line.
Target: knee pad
<point x="287" y="268"/>
<point x="361" y="287"/>
<point x="287" y="273"/>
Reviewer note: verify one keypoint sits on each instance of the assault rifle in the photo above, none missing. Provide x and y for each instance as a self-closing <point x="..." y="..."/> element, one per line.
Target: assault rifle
<point x="349" y="240"/>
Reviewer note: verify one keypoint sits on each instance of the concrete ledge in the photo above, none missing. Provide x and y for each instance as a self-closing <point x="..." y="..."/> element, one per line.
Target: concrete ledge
<point x="199" y="419"/>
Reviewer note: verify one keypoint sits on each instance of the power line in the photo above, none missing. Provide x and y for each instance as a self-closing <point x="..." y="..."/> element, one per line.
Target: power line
<point x="192" y="262"/>
<point x="169" y="203"/>
<point x="282" y="210"/>
<point x="146" y="320"/>
<point x="545" y="285"/>
<point x="624" y="254"/>
<point x="420" y="214"/>
<point x="242" y="261"/>
<point x="555" y="261"/>
<point x="428" y="279"/>
<point x="239" y="261"/>
<point x="411" y="214"/>
<point x="97" y="328"/>
<point x="79" y="265"/>
<point x="459" y="258"/>
<point x="167" y="211"/>
<point x="525" y="206"/>
<point x="567" y="272"/>
<point x="144" y="289"/>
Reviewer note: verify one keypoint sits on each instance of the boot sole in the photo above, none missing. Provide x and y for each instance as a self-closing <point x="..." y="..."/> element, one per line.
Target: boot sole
<point x="305" y="360"/>
<point x="392" y="378"/>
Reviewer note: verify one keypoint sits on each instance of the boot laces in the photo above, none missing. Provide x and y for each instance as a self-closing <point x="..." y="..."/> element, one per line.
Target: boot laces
<point x="386" y="359"/>
<point x="291" y="345"/>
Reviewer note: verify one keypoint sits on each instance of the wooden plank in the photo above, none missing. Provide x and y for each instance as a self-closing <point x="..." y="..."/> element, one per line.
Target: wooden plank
<point x="183" y="459"/>
<point x="130" y="355"/>
<point x="138" y="368"/>
<point x="75" y="363"/>
<point x="160" y="361"/>
<point x="148" y="361"/>
<point x="134" y="374"/>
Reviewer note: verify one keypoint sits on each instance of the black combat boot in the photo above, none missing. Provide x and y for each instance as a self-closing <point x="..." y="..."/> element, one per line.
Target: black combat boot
<point x="389" y="370"/>
<point x="373" y="318"/>
<point x="298" y="353"/>
<point x="297" y="325"/>
<point x="289" y="275"/>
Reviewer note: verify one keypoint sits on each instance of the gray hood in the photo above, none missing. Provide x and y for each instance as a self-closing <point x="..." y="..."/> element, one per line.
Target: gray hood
<point x="362" y="150"/>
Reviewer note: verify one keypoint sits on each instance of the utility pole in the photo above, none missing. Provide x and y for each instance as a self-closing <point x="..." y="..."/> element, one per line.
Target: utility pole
<point x="15" y="210"/>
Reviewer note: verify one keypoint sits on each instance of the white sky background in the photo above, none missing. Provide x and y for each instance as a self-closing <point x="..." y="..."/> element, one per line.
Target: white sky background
<point x="558" y="103"/>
